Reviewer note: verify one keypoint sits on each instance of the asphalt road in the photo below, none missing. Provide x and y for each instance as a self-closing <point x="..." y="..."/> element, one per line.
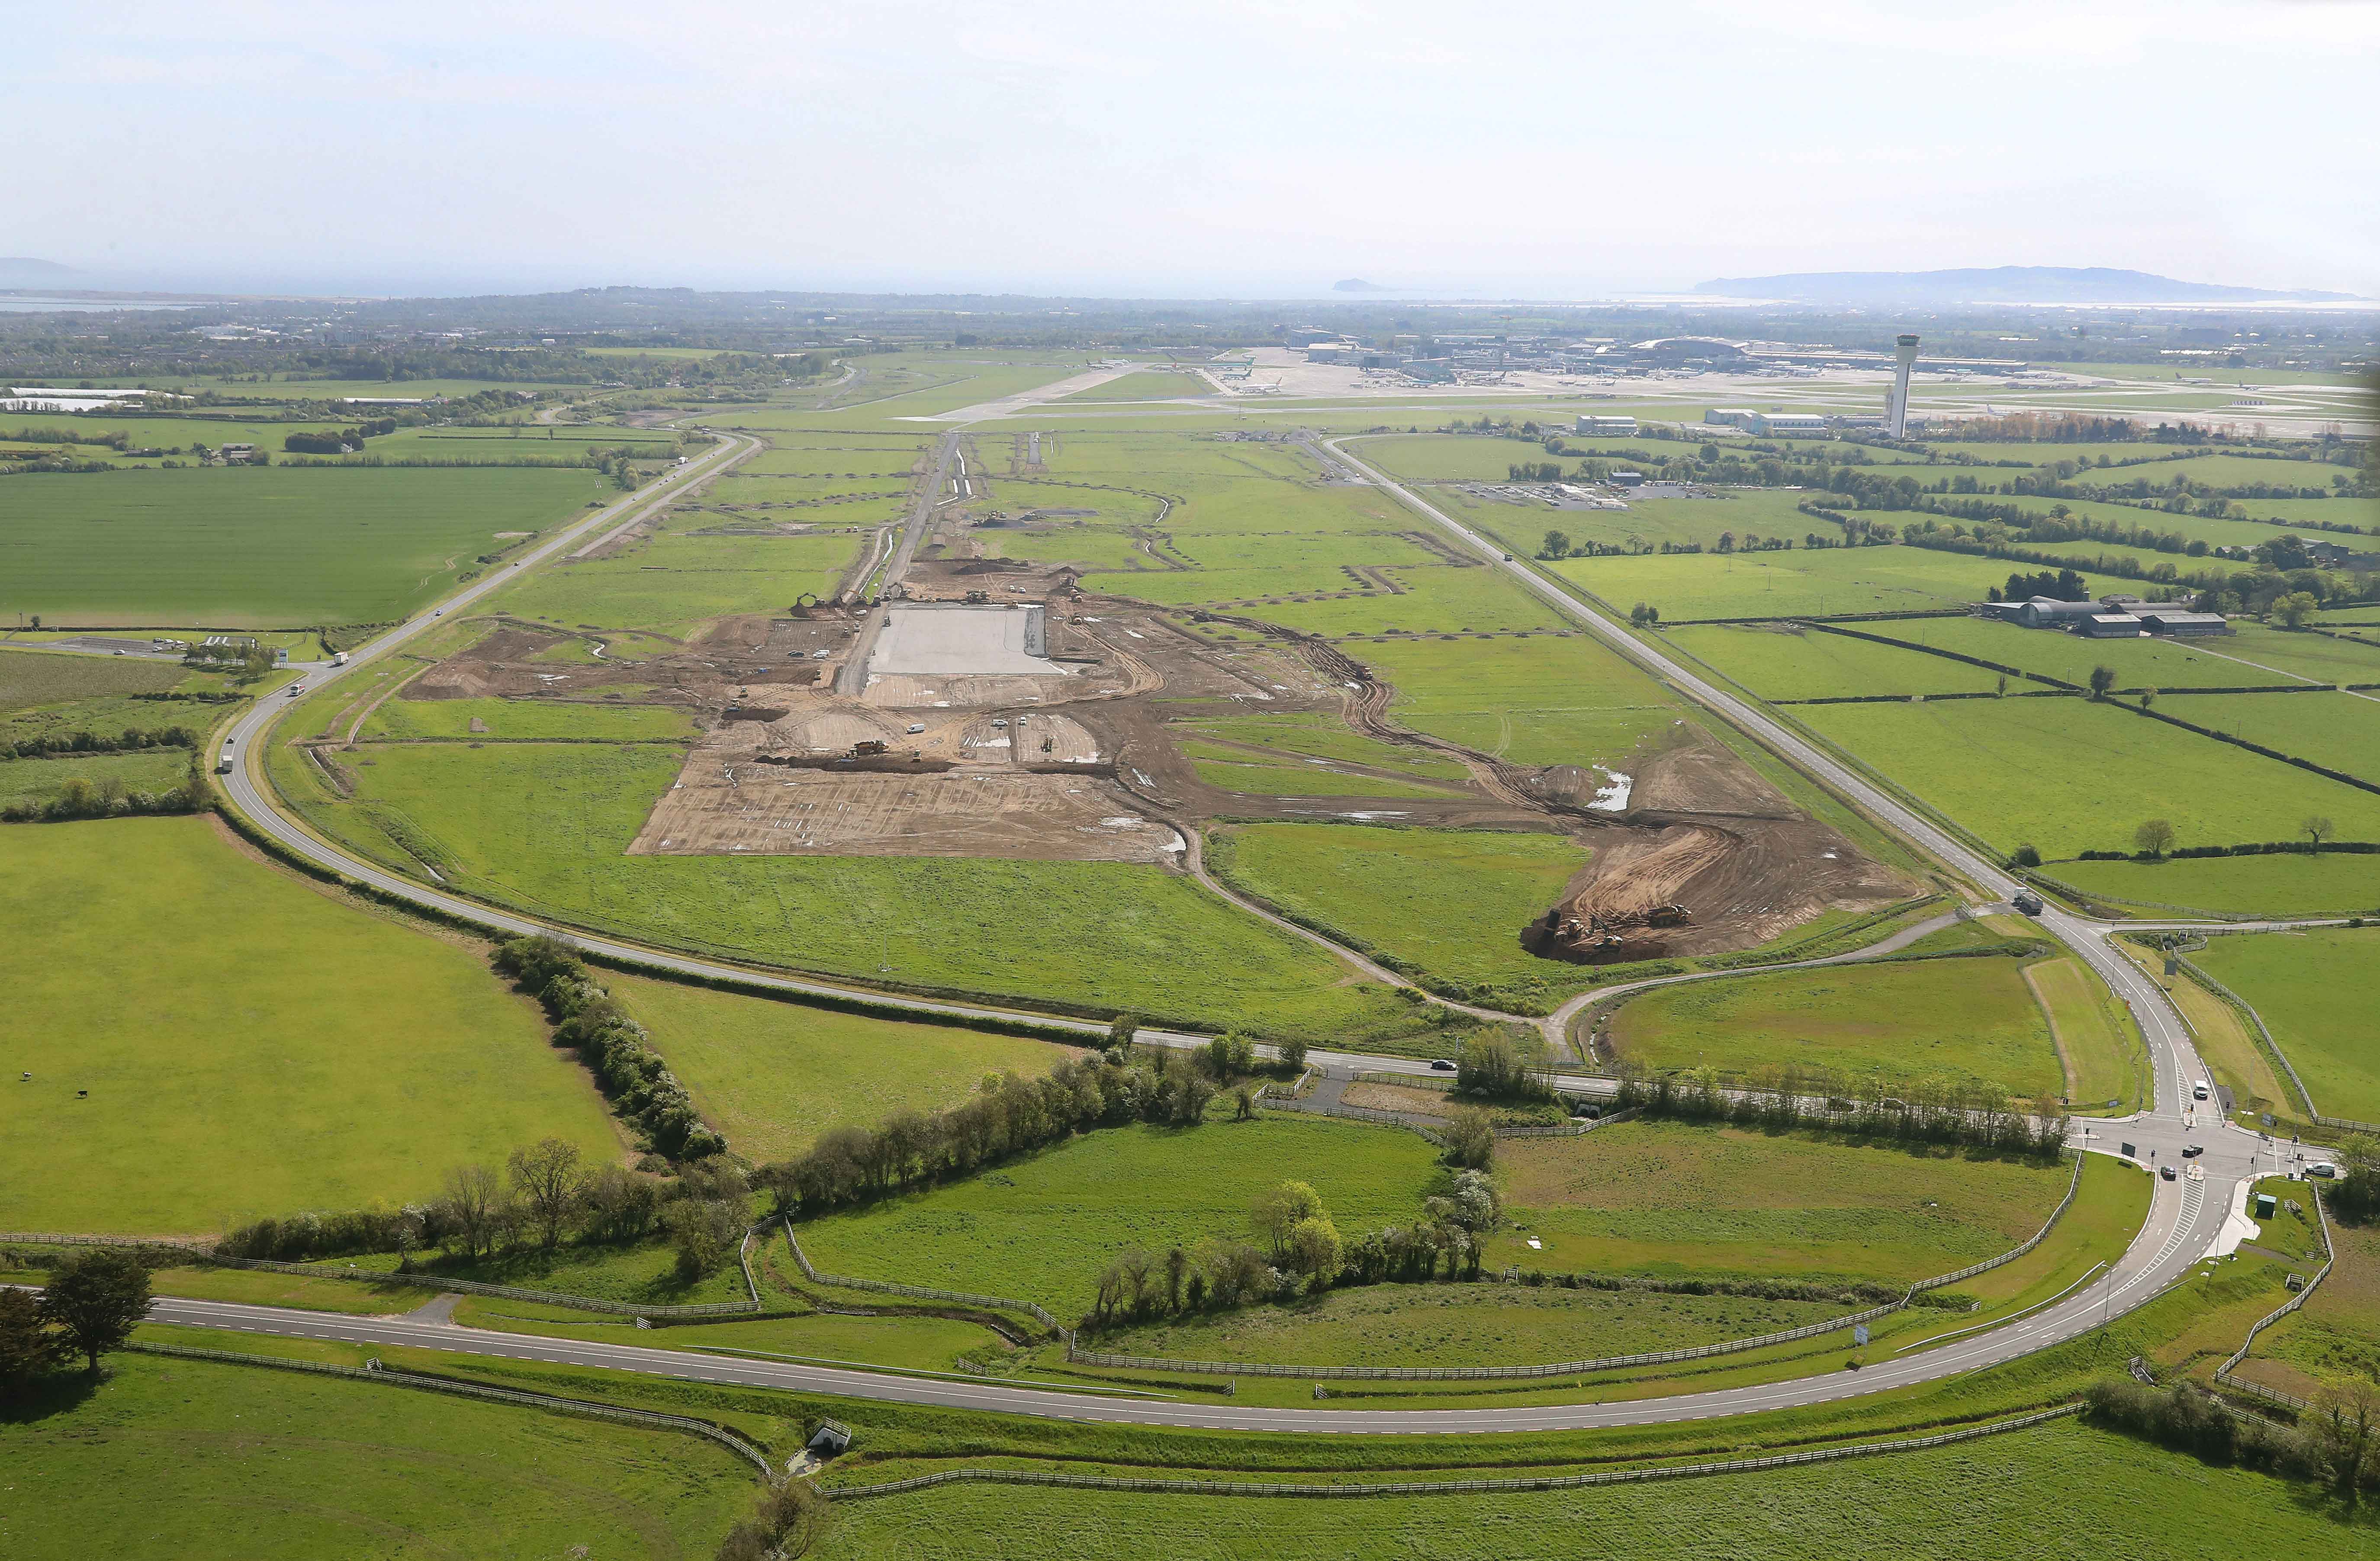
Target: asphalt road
<point x="2185" y="1217"/>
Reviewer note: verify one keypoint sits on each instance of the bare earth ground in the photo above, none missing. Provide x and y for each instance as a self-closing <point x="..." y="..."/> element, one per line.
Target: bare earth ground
<point x="1057" y="742"/>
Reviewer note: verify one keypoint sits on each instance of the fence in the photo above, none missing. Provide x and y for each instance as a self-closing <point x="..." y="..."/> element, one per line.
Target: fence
<point x="1441" y="1487"/>
<point x="429" y="1281"/>
<point x="922" y="1292"/>
<point x="1573" y="1368"/>
<point x="1569" y="1129"/>
<point x="2223" y="1372"/>
<point x="375" y="1372"/>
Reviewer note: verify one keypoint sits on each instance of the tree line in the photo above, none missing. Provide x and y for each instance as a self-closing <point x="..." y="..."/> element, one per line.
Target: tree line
<point x="544" y="1194"/>
<point x="132" y="739"/>
<point x="1010" y="1116"/>
<point x="615" y="1048"/>
<point x="108" y="797"/>
<point x="1301" y="1252"/>
<point x="1917" y="1111"/>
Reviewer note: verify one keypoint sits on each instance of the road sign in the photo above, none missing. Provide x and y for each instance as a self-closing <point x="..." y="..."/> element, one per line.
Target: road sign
<point x="1859" y="1333"/>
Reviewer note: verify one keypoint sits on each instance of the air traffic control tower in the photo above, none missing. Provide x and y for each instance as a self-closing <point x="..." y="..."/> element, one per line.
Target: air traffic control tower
<point x="1896" y="412"/>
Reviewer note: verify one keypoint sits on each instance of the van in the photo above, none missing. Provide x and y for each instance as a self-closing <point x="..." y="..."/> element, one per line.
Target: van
<point x="915" y="726"/>
<point x="2199" y="1091"/>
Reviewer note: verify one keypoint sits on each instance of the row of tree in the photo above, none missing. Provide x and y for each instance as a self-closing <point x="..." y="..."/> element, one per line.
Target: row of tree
<point x="1921" y="1111"/>
<point x="132" y="739"/>
<point x="1009" y="1115"/>
<point x="108" y="797"/>
<point x="2336" y="1443"/>
<point x="1299" y="1249"/>
<point x="616" y="1049"/>
<point x="545" y="1194"/>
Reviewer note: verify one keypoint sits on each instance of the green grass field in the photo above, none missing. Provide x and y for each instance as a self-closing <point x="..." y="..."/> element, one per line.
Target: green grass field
<point x="270" y="546"/>
<point x="28" y="678"/>
<point x="40" y="780"/>
<point x="675" y="580"/>
<point x="528" y="719"/>
<point x="1147" y="384"/>
<point x="1674" y="1197"/>
<point x="1448" y="904"/>
<point x="1781" y="662"/>
<point x="773" y="1075"/>
<point x="2061" y="1493"/>
<point x="545" y="826"/>
<point x="2275" y="885"/>
<point x="250" y="1046"/>
<point x="1545" y="700"/>
<point x="1797" y="582"/>
<point x="2314" y="991"/>
<point x="1481" y="1324"/>
<point x="645" y="1273"/>
<point x="2095" y="1038"/>
<point x="2019" y="771"/>
<point x="173" y="1458"/>
<point x="1042" y="1228"/>
<point x="1951" y="1020"/>
<point x="2338" y="731"/>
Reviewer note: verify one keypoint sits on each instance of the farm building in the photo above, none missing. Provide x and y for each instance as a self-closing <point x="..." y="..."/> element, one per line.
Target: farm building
<point x="2110" y="617"/>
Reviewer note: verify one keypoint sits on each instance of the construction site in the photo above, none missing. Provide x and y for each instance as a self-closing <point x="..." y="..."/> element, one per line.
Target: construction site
<point x="966" y="703"/>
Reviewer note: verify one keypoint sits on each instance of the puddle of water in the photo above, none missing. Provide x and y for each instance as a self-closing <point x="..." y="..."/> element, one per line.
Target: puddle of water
<point x="1612" y="798"/>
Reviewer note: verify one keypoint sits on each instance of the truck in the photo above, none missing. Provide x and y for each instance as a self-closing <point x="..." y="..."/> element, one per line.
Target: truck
<point x="223" y="765"/>
<point x="2027" y="901"/>
<point x="338" y="658"/>
<point x="868" y="746"/>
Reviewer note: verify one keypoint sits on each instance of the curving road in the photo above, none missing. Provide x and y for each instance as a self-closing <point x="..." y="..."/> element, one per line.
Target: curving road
<point x="2185" y="1220"/>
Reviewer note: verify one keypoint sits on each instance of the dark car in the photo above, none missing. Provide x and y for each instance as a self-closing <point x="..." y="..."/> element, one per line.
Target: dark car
<point x="2192" y="1150"/>
<point x="1440" y="1065"/>
<point x="2166" y="1171"/>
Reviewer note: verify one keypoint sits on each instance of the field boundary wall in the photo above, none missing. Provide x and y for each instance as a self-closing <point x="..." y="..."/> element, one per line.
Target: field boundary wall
<point x="924" y="1292"/>
<point x="1575" y="1368"/>
<point x="373" y="1370"/>
<point x="1441" y="1487"/>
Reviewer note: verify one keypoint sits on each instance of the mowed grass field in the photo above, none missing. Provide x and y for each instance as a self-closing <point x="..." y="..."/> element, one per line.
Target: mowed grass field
<point x="264" y="546"/>
<point x="2273" y="886"/>
<point x="1545" y="700"/>
<point x="773" y="1075"/>
<point x="1448" y="904"/>
<point x="1469" y="1325"/>
<point x="1796" y="582"/>
<point x="2063" y="1491"/>
<point x="2043" y="772"/>
<point x="546" y="826"/>
<point x="166" y="1459"/>
<point x="2097" y="1042"/>
<point x="250" y="1046"/>
<point x="1041" y="1228"/>
<point x="1965" y="1020"/>
<point x="1675" y="1198"/>
<point x="2314" y="992"/>
<point x="28" y="678"/>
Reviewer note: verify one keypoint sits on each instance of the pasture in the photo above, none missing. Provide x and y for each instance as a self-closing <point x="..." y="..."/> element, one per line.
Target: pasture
<point x="164" y="1458"/>
<point x="28" y="678"/>
<point x="1788" y="662"/>
<point x="545" y="826"/>
<point x="2102" y="1052"/>
<point x="1794" y="583"/>
<point x="250" y="1046"/>
<point x="773" y="1075"/>
<point x="2019" y="771"/>
<point x="1679" y="1198"/>
<point x="2338" y="731"/>
<point x="1982" y="1501"/>
<point x="1467" y="1324"/>
<point x="1448" y="905"/>
<point x="41" y="780"/>
<point x="1042" y="1228"/>
<point x="675" y="580"/>
<point x="2313" y="989"/>
<point x="264" y="546"/>
<point x="1951" y="1021"/>
<point x="2272" y="885"/>
<point x="1562" y="700"/>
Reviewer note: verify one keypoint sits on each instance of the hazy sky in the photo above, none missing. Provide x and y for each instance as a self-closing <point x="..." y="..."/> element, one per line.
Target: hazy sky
<point x="1205" y="148"/>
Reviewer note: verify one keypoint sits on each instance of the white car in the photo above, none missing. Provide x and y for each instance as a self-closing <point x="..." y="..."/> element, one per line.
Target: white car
<point x="2321" y="1168"/>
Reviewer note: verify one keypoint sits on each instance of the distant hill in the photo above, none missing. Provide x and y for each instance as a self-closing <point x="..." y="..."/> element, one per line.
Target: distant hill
<point x="1356" y="285"/>
<point x="2003" y="284"/>
<point x="23" y="268"/>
